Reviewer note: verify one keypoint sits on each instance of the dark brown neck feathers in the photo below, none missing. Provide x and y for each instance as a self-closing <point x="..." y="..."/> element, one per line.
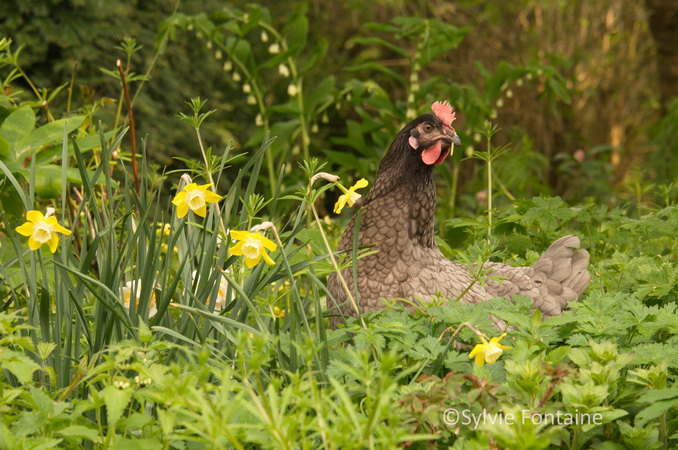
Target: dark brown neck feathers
<point x="405" y="192"/>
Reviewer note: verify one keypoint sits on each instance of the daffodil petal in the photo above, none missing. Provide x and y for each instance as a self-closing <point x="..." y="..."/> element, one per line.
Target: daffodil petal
<point x="267" y="243"/>
<point x="340" y="204"/>
<point x="268" y="259"/>
<point x="34" y="216"/>
<point x="236" y="250"/>
<point x="477" y="349"/>
<point x="239" y="235"/>
<point x="211" y="197"/>
<point x="480" y="360"/>
<point x="179" y="198"/>
<point x="497" y="339"/>
<point x="202" y="211"/>
<point x="58" y="228"/>
<point x="25" y="229"/>
<point x="338" y="207"/>
<point x="203" y="187"/>
<point x="182" y="209"/>
<point x="33" y="244"/>
<point x="62" y="230"/>
<point x="251" y="262"/>
<point x="53" y="242"/>
<point x="361" y="183"/>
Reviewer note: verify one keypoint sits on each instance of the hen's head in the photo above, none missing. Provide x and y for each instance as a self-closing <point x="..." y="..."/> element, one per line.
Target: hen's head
<point x="432" y="135"/>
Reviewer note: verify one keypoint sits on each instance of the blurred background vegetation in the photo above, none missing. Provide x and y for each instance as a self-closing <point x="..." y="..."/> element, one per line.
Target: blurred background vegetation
<point x="581" y="90"/>
<point x="583" y="94"/>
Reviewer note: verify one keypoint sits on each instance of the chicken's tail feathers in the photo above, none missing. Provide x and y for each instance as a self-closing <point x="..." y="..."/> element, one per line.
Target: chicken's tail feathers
<point x="563" y="270"/>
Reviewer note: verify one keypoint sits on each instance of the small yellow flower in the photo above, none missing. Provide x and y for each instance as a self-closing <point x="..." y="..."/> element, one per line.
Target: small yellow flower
<point x="252" y="246"/>
<point x="196" y="198"/>
<point x="488" y="352"/>
<point x="127" y="297"/>
<point x="165" y="230"/>
<point x="350" y="196"/>
<point x="41" y="229"/>
<point x="279" y="313"/>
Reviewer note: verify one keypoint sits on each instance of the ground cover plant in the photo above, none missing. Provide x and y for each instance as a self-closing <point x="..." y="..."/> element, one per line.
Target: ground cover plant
<point x="145" y="307"/>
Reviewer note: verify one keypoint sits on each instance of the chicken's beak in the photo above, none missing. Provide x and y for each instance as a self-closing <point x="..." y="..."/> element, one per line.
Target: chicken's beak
<point x="451" y="136"/>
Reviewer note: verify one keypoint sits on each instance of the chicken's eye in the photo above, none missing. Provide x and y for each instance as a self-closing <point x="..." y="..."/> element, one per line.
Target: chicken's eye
<point x="428" y="127"/>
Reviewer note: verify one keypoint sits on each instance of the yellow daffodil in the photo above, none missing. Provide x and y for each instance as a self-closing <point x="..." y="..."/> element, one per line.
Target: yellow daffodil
<point x="127" y="297"/>
<point x="488" y="352"/>
<point x="252" y="246"/>
<point x="195" y="198"/>
<point x="41" y="229"/>
<point x="350" y="196"/>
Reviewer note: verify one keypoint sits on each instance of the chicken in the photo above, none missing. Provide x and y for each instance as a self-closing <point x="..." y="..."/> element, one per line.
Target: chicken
<point x="398" y="219"/>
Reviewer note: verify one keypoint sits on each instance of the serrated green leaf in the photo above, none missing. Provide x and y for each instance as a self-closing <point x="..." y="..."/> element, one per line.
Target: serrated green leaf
<point x="21" y="367"/>
<point x="135" y="421"/>
<point x="580" y="357"/>
<point x="79" y="431"/>
<point x="45" y="349"/>
<point x="536" y="319"/>
<point x="167" y="421"/>
<point x="558" y="354"/>
<point x="116" y="401"/>
<point x="42" y="401"/>
<point x="139" y="444"/>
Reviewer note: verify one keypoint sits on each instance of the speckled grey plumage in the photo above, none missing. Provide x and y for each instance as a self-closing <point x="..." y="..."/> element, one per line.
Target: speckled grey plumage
<point x="398" y="219"/>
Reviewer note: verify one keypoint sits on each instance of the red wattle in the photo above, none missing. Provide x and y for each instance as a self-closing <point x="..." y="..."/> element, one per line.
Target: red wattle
<point x="431" y="154"/>
<point x="442" y="157"/>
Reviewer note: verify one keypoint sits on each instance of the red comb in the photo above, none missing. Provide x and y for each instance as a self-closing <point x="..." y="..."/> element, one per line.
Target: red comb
<point x="443" y="111"/>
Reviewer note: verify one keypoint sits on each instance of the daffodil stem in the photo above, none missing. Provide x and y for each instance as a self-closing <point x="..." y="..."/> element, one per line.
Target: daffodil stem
<point x="461" y="327"/>
<point x="342" y="188"/>
<point x="489" y="187"/>
<point x="342" y="280"/>
<point x="222" y="227"/>
<point x="133" y="137"/>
